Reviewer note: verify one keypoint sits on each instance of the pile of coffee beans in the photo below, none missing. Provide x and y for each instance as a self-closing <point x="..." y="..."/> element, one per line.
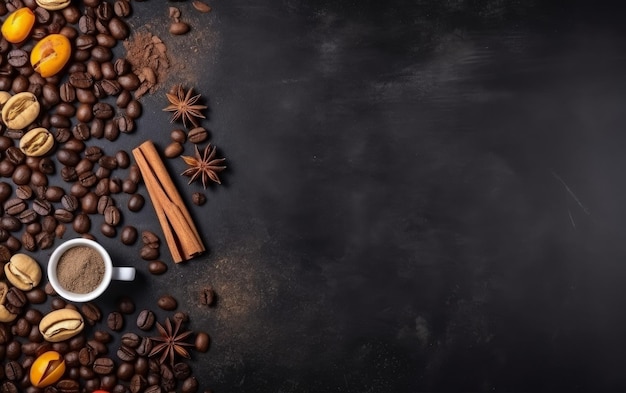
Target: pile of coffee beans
<point x="77" y="175"/>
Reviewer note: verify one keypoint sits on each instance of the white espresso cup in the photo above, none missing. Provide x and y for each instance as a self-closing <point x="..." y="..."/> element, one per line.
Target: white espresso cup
<point x="110" y="272"/>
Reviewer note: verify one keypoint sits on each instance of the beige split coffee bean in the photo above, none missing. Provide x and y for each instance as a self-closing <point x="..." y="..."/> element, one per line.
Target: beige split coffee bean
<point x="53" y="5"/>
<point x="6" y="315"/>
<point x="4" y="97"/>
<point x="20" y="110"/>
<point x="23" y="272"/>
<point x="61" y="324"/>
<point x="37" y="142"/>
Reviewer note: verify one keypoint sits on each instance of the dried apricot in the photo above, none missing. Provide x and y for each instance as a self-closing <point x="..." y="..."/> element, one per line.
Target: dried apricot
<point x="47" y="369"/>
<point x="50" y="54"/>
<point x="17" y="25"/>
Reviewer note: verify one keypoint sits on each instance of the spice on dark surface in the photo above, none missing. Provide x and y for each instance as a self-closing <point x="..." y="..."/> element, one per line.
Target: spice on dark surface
<point x="205" y="166"/>
<point x="184" y="105"/>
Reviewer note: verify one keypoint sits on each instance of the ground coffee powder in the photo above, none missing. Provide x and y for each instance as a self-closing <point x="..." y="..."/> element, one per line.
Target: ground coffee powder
<point x="80" y="269"/>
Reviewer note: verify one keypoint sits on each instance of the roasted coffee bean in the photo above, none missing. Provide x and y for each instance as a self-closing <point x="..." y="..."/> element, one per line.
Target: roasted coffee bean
<point x="115" y="321"/>
<point x="123" y="159"/>
<point x="21" y="328"/>
<point x="150" y="238"/>
<point x="118" y="29"/>
<point x="86" y="356"/>
<point x="133" y="109"/>
<point x="123" y="99"/>
<point x="33" y="228"/>
<point x="6" y="168"/>
<point x="115" y="185"/>
<point x="99" y="347"/>
<point x="91" y="312"/>
<point x="87" y="373"/>
<point x="181" y="371"/>
<point x="35" y="296"/>
<point x="13" y="371"/>
<point x="125" y="123"/>
<point x="84" y="165"/>
<point x="173" y="150"/>
<point x="111" y="87"/>
<point x="148" y="253"/>
<point x="128" y="235"/>
<point x="62" y="135"/>
<point x="102" y="187"/>
<point x="103" y="203"/>
<point x="207" y="296"/>
<point x="190" y="385"/>
<point x="202" y="342"/>
<point x="82" y="223"/>
<point x="68" y="174"/>
<point x="178" y="135"/>
<point x="15" y="155"/>
<point x="102" y="336"/>
<point x="129" y="81"/>
<point x="81" y="130"/>
<point x="157" y="267"/>
<point x="68" y="157"/>
<point x="112" y="215"/>
<point x="85" y="41"/>
<point x="22" y="174"/>
<point x="108" y="162"/>
<point x="13" y="350"/>
<point x="108" y="230"/>
<point x="101" y="54"/>
<point x="49" y="290"/>
<point x="86" y="96"/>
<point x="145" y="346"/>
<point x="108" y="382"/>
<point x="8" y="387"/>
<point x="104" y="11"/>
<point x="145" y="320"/>
<point x="67" y="92"/>
<point x="5" y="191"/>
<point x="35" y="335"/>
<point x="57" y="303"/>
<point x="10" y="223"/>
<point x="75" y="145"/>
<point x="197" y="135"/>
<point x="125" y="371"/>
<point x="17" y="58"/>
<point x="78" y="190"/>
<point x="106" y="40"/>
<point x="153" y="388"/>
<point x="103" y="365"/>
<point x="121" y="8"/>
<point x="68" y="386"/>
<point x="134" y="174"/>
<point x="71" y="359"/>
<point x="28" y="242"/>
<point x="138" y="383"/>
<point x="181" y="316"/>
<point x="16" y="297"/>
<point x="13" y="243"/>
<point x="103" y="111"/>
<point x="167" y="302"/>
<point x="130" y="188"/>
<point x="38" y="179"/>
<point x="131" y="340"/>
<point x="20" y="84"/>
<point x="87" y="179"/>
<point x="15" y="206"/>
<point x="23" y="192"/>
<point x="93" y="153"/>
<point x="126" y="354"/>
<point x="198" y="198"/>
<point x="179" y="28"/>
<point x="126" y="305"/>
<point x="42" y="207"/>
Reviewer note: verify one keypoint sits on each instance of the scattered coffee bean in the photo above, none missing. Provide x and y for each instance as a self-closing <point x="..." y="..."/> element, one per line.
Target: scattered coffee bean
<point x="136" y="201"/>
<point x="157" y="267"/>
<point x="202" y="342"/>
<point x="126" y="305"/>
<point x="198" y="198"/>
<point x="115" y="321"/>
<point x="149" y="253"/>
<point x="128" y="235"/>
<point x="145" y="320"/>
<point x="207" y="296"/>
<point x="167" y="302"/>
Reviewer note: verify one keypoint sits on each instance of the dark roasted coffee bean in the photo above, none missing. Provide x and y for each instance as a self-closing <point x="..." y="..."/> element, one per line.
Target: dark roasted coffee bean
<point x="115" y="185"/>
<point x="59" y="121"/>
<point x="150" y="238"/>
<point x="123" y="159"/>
<point x="22" y="174"/>
<point x="87" y="24"/>
<point x="87" y="179"/>
<point x="145" y="320"/>
<point x="125" y="371"/>
<point x="35" y="296"/>
<point x="42" y="207"/>
<point x="5" y="191"/>
<point x="123" y="99"/>
<point x="103" y="365"/>
<point x="157" y="267"/>
<point x="68" y="386"/>
<point x="102" y="187"/>
<point x="68" y="174"/>
<point x="83" y="166"/>
<point x="129" y="187"/>
<point x="86" y="356"/>
<point x="67" y="157"/>
<point x="197" y="135"/>
<point x="108" y="162"/>
<point x="44" y="240"/>
<point x="125" y="123"/>
<point x="118" y="29"/>
<point x="126" y="354"/>
<point x="148" y="253"/>
<point x="78" y="190"/>
<point x="198" y="198"/>
<point x="8" y="387"/>
<point x="85" y="41"/>
<point x="167" y="302"/>
<point x="121" y="8"/>
<point x="71" y="359"/>
<point x="91" y="312"/>
<point x="87" y="373"/>
<point x="86" y="96"/>
<point x="16" y="297"/>
<point x="97" y="129"/>
<point x="207" y="296"/>
<point x="108" y="382"/>
<point x="67" y="92"/>
<point x="10" y="223"/>
<point x="24" y="192"/>
<point x="46" y="166"/>
<point x="93" y="153"/>
<point x="102" y="336"/>
<point x="82" y="223"/>
<point x="48" y="224"/>
<point x="13" y="350"/>
<point x="190" y="385"/>
<point x="38" y="179"/>
<point x="62" y="135"/>
<point x="69" y="202"/>
<point x="131" y="340"/>
<point x="138" y="383"/>
<point x="28" y="241"/>
<point x="21" y="328"/>
<point x="181" y="371"/>
<point x="154" y="388"/>
<point x="17" y="58"/>
<point x="145" y="347"/>
<point x="5" y="253"/>
<point x="57" y="303"/>
<point x="133" y="109"/>
<point x="115" y="321"/>
<point x="13" y="243"/>
<point x="101" y="54"/>
<point x="128" y="235"/>
<point x="15" y="155"/>
<point x="75" y="145"/>
<point x="6" y="168"/>
<point x="103" y="203"/>
<point x="14" y="206"/>
<point x="202" y="342"/>
<point x="108" y="230"/>
<point x="112" y="215"/>
<point x="99" y="347"/>
<point x="81" y="130"/>
<point x="111" y="87"/>
<point x="104" y="11"/>
<point x="13" y="371"/>
<point x="103" y="111"/>
<point x="106" y="40"/>
<point x="122" y="66"/>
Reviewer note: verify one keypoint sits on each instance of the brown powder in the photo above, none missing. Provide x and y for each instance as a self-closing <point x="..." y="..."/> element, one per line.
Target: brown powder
<point x="148" y="56"/>
<point x="80" y="269"/>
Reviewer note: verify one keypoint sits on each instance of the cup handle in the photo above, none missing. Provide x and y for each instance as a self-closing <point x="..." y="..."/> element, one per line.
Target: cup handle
<point x="123" y="273"/>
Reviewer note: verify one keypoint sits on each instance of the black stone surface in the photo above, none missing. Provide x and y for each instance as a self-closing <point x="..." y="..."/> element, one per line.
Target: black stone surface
<point x="420" y="195"/>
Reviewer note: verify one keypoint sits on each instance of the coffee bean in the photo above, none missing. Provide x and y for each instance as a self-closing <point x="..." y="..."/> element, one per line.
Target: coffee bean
<point x="167" y="302"/>
<point x="173" y="150"/>
<point x="145" y="347"/>
<point x="91" y="312"/>
<point x="138" y="383"/>
<point x="68" y="386"/>
<point x="129" y="81"/>
<point x="179" y="28"/>
<point x="154" y="387"/>
<point x="108" y="230"/>
<point x="181" y="371"/>
<point x="130" y="187"/>
<point x="119" y="29"/>
<point x="124" y="98"/>
<point x="125" y="123"/>
<point x="103" y="365"/>
<point x="198" y="198"/>
<point x="97" y="128"/>
<point x="123" y="159"/>
<point x="133" y="109"/>
<point x="67" y="157"/>
<point x="190" y="385"/>
<point x="122" y="8"/>
<point x="22" y="174"/>
<point x="106" y="40"/>
<point x="28" y="241"/>
<point x="102" y="187"/>
<point x="103" y="111"/>
<point x="108" y="162"/>
<point x="57" y="303"/>
<point x="13" y="350"/>
<point x="145" y="320"/>
<point x="115" y="321"/>
<point x="207" y="296"/>
<point x="202" y="342"/>
<point x="99" y="348"/>
<point x="134" y="174"/>
<point x="112" y="215"/>
<point x="35" y="296"/>
<point x="150" y="238"/>
<point x="21" y="327"/>
<point x="15" y="206"/>
<point x="11" y="224"/>
<point x="128" y="235"/>
<point x="157" y="267"/>
<point x="13" y="371"/>
<point x="86" y="356"/>
<point x="8" y="387"/>
<point x="148" y="253"/>
<point x="130" y="340"/>
<point x="82" y="223"/>
<point x="68" y="174"/>
<point x="17" y="58"/>
<point x="115" y="185"/>
<point x="197" y="135"/>
<point x="84" y="165"/>
<point x="125" y="371"/>
<point x="126" y="354"/>
<point x="42" y="207"/>
<point x="87" y="179"/>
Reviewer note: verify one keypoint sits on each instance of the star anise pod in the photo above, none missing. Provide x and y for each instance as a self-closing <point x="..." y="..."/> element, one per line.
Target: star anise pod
<point x="184" y="106"/>
<point x="171" y="342"/>
<point x="205" y="166"/>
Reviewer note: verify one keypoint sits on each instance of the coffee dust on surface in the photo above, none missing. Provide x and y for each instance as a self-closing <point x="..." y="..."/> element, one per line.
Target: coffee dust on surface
<point x="147" y="54"/>
<point x="80" y="269"/>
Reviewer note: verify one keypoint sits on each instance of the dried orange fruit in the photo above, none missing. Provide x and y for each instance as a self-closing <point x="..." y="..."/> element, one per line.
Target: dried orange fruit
<point x="47" y="369"/>
<point x="17" y="25"/>
<point x="50" y="54"/>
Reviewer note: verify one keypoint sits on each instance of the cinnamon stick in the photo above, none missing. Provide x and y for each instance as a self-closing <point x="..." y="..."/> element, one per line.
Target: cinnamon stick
<point x="181" y="234"/>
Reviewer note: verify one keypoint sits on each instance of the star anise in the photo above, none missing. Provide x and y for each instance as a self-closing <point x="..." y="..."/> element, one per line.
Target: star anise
<point x="204" y="166"/>
<point x="184" y="106"/>
<point x="170" y="342"/>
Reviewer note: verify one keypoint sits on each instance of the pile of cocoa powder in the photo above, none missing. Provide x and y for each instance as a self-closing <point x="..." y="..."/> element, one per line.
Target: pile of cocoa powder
<point x="147" y="54"/>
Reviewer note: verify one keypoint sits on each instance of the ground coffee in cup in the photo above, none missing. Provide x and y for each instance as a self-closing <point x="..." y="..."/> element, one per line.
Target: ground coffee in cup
<point x="80" y="269"/>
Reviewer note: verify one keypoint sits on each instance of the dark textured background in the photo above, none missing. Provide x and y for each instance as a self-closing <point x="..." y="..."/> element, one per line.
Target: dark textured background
<point x="421" y="195"/>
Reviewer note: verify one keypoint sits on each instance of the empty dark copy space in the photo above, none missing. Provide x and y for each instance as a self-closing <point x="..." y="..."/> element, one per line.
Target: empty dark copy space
<point x="420" y="195"/>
